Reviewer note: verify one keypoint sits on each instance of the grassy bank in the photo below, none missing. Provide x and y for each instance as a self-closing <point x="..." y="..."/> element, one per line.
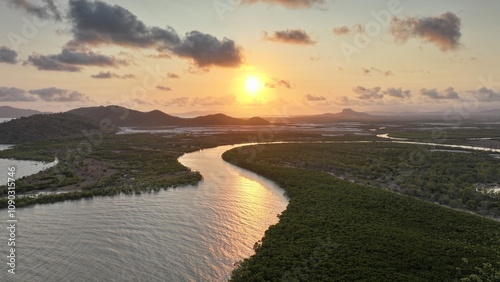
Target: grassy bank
<point x="334" y="230"/>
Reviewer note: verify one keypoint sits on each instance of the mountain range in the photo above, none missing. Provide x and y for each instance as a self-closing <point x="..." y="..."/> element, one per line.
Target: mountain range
<point x="76" y="123"/>
<point x="345" y="115"/>
<point x="124" y="117"/>
<point x="10" y="112"/>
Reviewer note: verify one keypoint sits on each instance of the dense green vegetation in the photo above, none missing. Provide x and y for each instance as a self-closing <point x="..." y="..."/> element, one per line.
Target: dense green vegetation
<point x="484" y="135"/>
<point x="335" y="230"/>
<point x="448" y="178"/>
<point x="117" y="164"/>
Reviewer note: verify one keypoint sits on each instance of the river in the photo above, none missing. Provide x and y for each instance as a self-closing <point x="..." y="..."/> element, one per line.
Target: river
<point x="192" y="233"/>
<point x="23" y="168"/>
<point x="473" y="148"/>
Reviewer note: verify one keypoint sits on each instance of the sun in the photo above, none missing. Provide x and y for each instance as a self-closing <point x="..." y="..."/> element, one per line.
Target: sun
<point x="253" y="85"/>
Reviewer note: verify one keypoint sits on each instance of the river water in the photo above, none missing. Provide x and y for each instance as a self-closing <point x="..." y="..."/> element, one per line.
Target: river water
<point x="23" y="168"/>
<point x="473" y="148"/>
<point x="192" y="233"/>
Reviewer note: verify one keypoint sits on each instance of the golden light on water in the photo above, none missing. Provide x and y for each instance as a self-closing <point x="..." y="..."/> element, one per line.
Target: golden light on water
<point x="253" y="193"/>
<point x="250" y="209"/>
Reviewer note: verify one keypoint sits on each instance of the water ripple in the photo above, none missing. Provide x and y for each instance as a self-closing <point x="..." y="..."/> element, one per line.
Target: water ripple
<point x="192" y="233"/>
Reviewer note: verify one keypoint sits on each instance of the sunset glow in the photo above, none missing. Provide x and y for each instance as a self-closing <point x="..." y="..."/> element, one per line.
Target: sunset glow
<point x="253" y="85"/>
<point x="300" y="57"/>
<point x="250" y="140"/>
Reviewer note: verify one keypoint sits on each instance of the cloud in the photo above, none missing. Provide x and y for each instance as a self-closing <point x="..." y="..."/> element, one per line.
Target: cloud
<point x="486" y="94"/>
<point x="311" y="97"/>
<point x="172" y="75"/>
<point x="358" y="28"/>
<point x="416" y="71"/>
<point x="97" y="22"/>
<point x="206" y="50"/>
<point x="397" y="92"/>
<point x="443" y="30"/>
<point x="50" y="63"/>
<point x="290" y="36"/>
<point x="274" y="83"/>
<point x="292" y="4"/>
<point x="284" y="83"/>
<point x="164" y="88"/>
<point x="108" y="75"/>
<point x="457" y="59"/>
<point x="315" y="100"/>
<point x="73" y="60"/>
<point x="180" y="102"/>
<point x="447" y="94"/>
<point x="48" y="9"/>
<point x="347" y="101"/>
<point x="7" y="55"/>
<point x="13" y="94"/>
<point x="161" y="56"/>
<point x="341" y="30"/>
<point x="375" y="96"/>
<point x="54" y="94"/>
<point x="368" y="71"/>
<point x="368" y="93"/>
<point x="344" y="30"/>
<point x="142" y="102"/>
<point x="213" y="101"/>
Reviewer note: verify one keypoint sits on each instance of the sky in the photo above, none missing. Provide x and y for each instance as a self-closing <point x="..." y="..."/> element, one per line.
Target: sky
<point x="251" y="57"/>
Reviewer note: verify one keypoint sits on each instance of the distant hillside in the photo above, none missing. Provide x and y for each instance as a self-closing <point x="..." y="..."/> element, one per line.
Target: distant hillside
<point x="494" y="112"/>
<point x="45" y="127"/>
<point x="345" y="115"/>
<point x="121" y="116"/>
<point x="222" y="119"/>
<point x="387" y="113"/>
<point x="10" y="112"/>
<point x="192" y="114"/>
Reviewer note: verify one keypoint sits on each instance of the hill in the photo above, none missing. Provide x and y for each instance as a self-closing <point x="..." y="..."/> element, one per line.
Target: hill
<point x="222" y="119"/>
<point x="45" y="127"/>
<point x="121" y="116"/>
<point x="491" y="113"/>
<point x="10" y="112"/>
<point x="345" y="115"/>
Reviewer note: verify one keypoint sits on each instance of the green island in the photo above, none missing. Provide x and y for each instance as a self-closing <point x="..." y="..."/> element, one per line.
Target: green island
<point x="336" y="230"/>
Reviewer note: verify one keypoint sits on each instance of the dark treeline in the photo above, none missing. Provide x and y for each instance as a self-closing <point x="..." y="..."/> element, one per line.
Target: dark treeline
<point x="455" y="179"/>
